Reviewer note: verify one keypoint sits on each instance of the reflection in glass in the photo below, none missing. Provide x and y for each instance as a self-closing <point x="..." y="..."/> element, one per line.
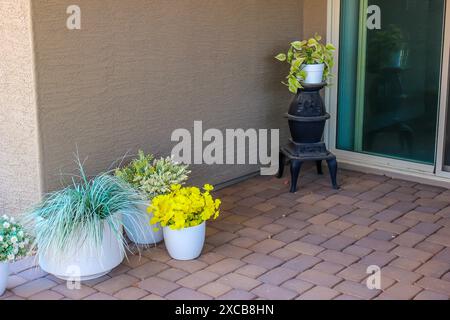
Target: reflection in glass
<point x="389" y="79"/>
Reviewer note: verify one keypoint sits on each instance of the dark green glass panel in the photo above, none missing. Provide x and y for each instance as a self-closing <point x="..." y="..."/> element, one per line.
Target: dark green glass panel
<point x="389" y="79"/>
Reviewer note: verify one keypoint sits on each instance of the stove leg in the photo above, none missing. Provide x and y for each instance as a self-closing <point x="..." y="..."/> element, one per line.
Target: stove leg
<point x="296" y="165"/>
<point x="319" y="167"/>
<point x="281" y="165"/>
<point x="332" y="165"/>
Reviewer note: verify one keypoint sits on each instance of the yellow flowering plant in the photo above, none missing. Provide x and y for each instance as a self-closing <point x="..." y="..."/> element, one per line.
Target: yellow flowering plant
<point x="184" y="207"/>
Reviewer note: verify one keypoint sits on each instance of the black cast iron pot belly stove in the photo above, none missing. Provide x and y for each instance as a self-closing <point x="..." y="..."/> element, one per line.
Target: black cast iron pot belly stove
<point x="307" y="117"/>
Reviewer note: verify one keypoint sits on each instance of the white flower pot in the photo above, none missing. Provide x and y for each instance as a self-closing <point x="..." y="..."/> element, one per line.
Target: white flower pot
<point x="4" y="273"/>
<point x="314" y="73"/>
<point x="87" y="260"/>
<point x="139" y="230"/>
<point x="185" y="244"/>
<point x="397" y="59"/>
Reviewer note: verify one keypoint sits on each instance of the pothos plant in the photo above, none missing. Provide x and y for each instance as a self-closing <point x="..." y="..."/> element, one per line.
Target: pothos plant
<point x="153" y="177"/>
<point x="306" y="52"/>
<point x="383" y="44"/>
<point x="387" y="40"/>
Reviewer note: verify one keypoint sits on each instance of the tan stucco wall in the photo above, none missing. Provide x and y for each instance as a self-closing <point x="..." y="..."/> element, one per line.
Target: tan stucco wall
<point x="315" y="18"/>
<point x="139" y="69"/>
<point x="19" y="156"/>
<point x="136" y="71"/>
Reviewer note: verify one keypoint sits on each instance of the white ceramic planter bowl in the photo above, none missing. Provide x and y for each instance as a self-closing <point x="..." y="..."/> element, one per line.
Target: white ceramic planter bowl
<point x="185" y="244"/>
<point x="139" y="230"/>
<point x="4" y="273"/>
<point x="314" y="73"/>
<point x="88" y="261"/>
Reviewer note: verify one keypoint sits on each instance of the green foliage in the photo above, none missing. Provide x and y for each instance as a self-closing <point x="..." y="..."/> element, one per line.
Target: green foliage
<point x="76" y="214"/>
<point x="387" y="40"/>
<point x="300" y="53"/>
<point x="14" y="241"/>
<point x="382" y="44"/>
<point x="137" y="171"/>
<point x="153" y="179"/>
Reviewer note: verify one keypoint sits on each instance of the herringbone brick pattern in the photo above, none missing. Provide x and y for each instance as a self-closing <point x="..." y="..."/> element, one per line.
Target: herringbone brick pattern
<point x="270" y="244"/>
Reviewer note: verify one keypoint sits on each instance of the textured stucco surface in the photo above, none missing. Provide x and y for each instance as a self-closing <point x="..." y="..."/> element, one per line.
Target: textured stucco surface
<point x="19" y="165"/>
<point x="136" y="71"/>
<point x="139" y="69"/>
<point x="315" y="18"/>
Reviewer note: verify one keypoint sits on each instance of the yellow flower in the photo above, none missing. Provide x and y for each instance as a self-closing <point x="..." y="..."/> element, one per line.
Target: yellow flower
<point x="184" y="207"/>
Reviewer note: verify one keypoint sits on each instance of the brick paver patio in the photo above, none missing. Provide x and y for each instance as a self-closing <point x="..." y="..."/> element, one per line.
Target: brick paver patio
<point x="270" y="244"/>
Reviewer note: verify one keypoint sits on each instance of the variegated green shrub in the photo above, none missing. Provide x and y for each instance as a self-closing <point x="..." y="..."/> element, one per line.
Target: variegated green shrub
<point x="153" y="177"/>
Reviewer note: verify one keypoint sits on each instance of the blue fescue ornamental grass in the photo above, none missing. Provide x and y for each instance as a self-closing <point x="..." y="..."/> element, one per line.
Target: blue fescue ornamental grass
<point x="66" y="219"/>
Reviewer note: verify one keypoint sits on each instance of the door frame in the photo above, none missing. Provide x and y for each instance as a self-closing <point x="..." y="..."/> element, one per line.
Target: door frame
<point x="377" y="164"/>
<point x="443" y="107"/>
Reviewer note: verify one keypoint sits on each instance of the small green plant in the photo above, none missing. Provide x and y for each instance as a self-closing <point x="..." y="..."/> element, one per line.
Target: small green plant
<point x="14" y="241"/>
<point x="66" y="219"/>
<point x="153" y="177"/>
<point x="137" y="171"/>
<point x="383" y="44"/>
<point x="301" y="53"/>
<point x="390" y="39"/>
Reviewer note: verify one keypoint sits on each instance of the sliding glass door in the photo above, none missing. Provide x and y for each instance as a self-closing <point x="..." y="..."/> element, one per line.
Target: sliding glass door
<point x="389" y="78"/>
